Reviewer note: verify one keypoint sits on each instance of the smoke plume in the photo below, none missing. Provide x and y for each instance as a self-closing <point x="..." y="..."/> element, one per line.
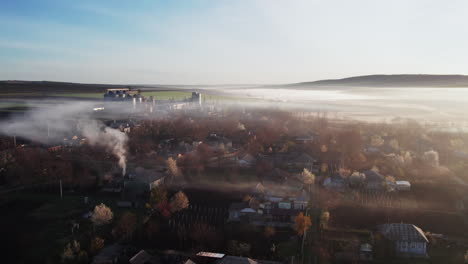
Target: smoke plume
<point x="112" y="140"/>
<point x="50" y="125"/>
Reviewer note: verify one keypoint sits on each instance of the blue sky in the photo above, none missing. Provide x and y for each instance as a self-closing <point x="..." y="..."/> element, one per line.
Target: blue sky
<point x="221" y="42"/>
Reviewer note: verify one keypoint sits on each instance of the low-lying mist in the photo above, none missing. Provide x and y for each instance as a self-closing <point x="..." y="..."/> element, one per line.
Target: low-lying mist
<point x="365" y="103"/>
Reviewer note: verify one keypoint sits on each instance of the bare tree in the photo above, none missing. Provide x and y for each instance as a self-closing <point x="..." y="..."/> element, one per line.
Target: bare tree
<point x="179" y="202"/>
<point x="172" y="167"/>
<point x="357" y="179"/>
<point x="390" y="179"/>
<point x="308" y="177"/>
<point x="158" y="195"/>
<point x="96" y="244"/>
<point x="101" y="215"/>
<point x="72" y="253"/>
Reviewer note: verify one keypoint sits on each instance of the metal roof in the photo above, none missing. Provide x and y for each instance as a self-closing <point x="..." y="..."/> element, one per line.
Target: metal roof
<point x="210" y="254"/>
<point x="403" y="232"/>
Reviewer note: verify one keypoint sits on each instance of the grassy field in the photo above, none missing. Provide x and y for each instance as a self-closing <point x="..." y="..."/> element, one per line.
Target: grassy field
<point x="25" y="94"/>
<point x="46" y="94"/>
<point x="20" y="105"/>
<point x="12" y="105"/>
<point x="160" y="95"/>
<point x="168" y="95"/>
<point x="79" y="95"/>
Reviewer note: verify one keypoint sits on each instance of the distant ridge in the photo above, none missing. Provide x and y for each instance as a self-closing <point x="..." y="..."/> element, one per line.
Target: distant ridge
<point x="376" y="80"/>
<point x="396" y="80"/>
<point x="16" y="86"/>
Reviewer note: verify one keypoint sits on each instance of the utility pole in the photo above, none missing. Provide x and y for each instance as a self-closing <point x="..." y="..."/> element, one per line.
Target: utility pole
<point x="14" y="140"/>
<point x="61" y="192"/>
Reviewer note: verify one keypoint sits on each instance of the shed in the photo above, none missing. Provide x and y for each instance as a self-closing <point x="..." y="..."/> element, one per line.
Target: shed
<point x="403" y="185"/>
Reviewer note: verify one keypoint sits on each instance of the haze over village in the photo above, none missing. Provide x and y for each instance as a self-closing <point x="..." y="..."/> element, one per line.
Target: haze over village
<point x="233" y="132"/>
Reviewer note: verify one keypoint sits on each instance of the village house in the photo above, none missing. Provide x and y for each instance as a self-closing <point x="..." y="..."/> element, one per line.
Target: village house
<point x="74" y="141"/>
<point x="335" y="182"/>
<point x="54" y="148"/>
<point x="275" y="176"/>
<point x="247" y="161"/>
<point x="139" y="185"/>
<point x="402" y="185"/>
<point x="219" y="258"/>
<point x="300" y="202"/>
<point x="224" y="160"/>
<point x="301" y="161"/>
<point x="219" y="142"/>
<point x="270" y="208"/>
<point x="237" y="210"/>
<point x="374" y="180"/>
<point x="122" y="125"/>
<point x="304" y="139"/>
<point x="142" y="257"/>
<point x="408" y="240"/>
<point x="365" y="252"/>
<point x="293" y="161"/>
<point x="285" y="186"/>
<point x="112" y="254"/>
<point x="114" y="186"/>
<point x="149" y="179"/>
<point x="348" y="245"/>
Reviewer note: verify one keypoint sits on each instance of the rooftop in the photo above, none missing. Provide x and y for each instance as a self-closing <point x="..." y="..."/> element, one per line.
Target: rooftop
<point x="403" y="232"/>
<point x="236" y="260"/>
<point x="142" y="257"/>
<point x="210" y="254"/>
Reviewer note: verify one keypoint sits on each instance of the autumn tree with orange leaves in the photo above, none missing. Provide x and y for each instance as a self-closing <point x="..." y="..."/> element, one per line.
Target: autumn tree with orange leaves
<point x="302" y="223"/>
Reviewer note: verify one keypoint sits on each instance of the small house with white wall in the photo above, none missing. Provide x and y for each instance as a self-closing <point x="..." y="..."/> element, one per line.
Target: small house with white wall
<point x="403" y="185"/>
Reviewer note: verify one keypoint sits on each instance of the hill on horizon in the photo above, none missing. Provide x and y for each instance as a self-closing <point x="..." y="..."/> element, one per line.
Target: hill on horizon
<point x="376" y="80"/>
<point x="394" y="80"/>
<point x="18" y="86"/>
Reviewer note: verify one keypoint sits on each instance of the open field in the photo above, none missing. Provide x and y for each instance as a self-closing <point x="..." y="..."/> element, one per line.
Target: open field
<point x="79" y="95"/>
<point x="168" y="95"/>
<point x="159" y="95"/>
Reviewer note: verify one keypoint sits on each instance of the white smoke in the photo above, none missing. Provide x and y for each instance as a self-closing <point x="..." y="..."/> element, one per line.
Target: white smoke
<point x="431" y="157"/>
<point x="112" y="140"/>
<point x="50" y="125"/>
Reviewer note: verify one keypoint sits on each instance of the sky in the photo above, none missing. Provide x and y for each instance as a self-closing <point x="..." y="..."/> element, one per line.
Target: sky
<point x="229" y="41"/>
